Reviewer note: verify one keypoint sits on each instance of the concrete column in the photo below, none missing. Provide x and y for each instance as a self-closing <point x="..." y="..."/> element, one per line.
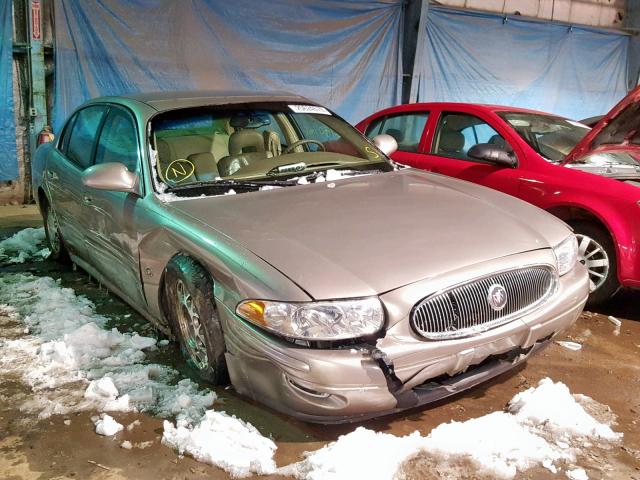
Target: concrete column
<point x="413" y="9"/>
<point x="632" y="23"/>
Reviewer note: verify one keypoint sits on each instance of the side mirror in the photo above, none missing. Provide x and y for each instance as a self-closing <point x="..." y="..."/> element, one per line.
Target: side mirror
<point x="111" y="176"/>
<point x="488" y="153"/>
<point x="385" y="143"/>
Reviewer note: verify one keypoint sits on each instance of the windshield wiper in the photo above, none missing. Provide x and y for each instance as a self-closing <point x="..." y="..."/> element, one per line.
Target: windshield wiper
<point x="227" y="184"/>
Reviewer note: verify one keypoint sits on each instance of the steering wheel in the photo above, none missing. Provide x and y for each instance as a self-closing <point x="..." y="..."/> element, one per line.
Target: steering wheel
<point x="302" y="142"/>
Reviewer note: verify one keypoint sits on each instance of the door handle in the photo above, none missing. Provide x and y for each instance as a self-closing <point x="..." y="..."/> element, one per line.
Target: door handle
<point x="52" y="175"/>
<point x="86" y="200"/>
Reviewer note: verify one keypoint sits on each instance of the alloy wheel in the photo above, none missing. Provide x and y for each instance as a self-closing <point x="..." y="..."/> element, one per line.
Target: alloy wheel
<point x="53" y="233"/>
<point x="593" y="256"/>
<point x="190" y="327"/>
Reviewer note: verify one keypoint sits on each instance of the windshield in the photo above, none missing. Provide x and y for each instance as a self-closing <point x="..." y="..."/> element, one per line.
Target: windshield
<point x="251" y="142"/>
<point x="550" y="136"/>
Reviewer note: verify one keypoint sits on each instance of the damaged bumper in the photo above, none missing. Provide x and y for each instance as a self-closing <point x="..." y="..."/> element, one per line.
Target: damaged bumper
<point x="402" y="371"/>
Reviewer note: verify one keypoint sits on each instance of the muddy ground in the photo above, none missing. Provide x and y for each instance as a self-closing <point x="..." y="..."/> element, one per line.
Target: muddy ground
<point x="606" y="369"/>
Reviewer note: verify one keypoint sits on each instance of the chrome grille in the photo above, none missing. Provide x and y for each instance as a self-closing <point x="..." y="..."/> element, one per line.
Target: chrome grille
<point x="464" y="310"/>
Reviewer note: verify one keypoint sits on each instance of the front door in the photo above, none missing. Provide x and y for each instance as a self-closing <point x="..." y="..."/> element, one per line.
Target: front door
<point x="110" y="217"/>
<point x="455" y="134"/>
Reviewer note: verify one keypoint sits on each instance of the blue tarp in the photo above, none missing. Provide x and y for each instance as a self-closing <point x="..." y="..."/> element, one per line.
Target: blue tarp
<point x="344" y="54"/>
<point x="467" y="56"/>
<point x="8" y="159"/>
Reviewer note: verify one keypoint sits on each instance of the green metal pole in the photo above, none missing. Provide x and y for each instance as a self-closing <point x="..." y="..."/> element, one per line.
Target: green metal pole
<point x="38" y="109"/>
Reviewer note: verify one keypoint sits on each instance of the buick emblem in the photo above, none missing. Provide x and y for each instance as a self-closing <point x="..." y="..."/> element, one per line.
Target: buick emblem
<point x="497" y="297"/>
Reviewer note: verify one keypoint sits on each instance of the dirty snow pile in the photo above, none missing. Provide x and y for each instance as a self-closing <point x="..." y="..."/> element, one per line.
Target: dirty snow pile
<point x="25" y="245"/>
<point x="224" y="441"/>
<point x="72" y="362"/>
<point x="544" y="426"/>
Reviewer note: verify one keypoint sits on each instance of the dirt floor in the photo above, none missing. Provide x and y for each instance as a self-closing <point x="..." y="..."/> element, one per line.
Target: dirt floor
<point x="607" y="368"/>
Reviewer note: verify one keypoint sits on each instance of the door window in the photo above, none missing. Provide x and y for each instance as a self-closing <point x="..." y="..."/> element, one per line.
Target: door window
<point x="118" y="140"/>
<point x="83" y="135"/>
<point x="458" y="132"/>
<point x="406" y="128"/>
<point x="63" y="142"/>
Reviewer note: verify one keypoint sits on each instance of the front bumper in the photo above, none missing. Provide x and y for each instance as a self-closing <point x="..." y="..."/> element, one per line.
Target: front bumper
<point x="353" y="384"/>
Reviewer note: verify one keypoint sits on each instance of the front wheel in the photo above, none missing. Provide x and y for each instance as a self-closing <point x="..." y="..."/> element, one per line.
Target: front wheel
<point x="193" y="317"/>
<point x="53" y="235"/>
<point x="597" y="253"/>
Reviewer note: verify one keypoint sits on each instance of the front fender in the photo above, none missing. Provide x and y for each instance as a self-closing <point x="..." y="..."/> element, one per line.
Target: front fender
<point x="622" y="223"/>
<point x="238" y="273"/>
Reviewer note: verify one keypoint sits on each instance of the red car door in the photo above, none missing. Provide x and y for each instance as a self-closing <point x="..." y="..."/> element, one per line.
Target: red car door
<point x="452" y="133"/>
<point x="408" y="128"/>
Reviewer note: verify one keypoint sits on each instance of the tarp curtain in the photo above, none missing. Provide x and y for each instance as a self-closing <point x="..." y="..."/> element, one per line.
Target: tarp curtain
<point x="344" y="54"/>
<point x="476" y="57"/>
<point x="8" y="159"/>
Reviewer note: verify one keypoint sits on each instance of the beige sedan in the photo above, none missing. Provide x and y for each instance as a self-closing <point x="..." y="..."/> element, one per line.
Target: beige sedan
<point x="289" y="256"/>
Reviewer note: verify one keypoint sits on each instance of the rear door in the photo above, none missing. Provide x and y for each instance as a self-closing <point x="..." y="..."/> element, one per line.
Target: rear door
<point x="63" y="174"/>
<point x="455" y="133"/>
<point x="111" y="217"/>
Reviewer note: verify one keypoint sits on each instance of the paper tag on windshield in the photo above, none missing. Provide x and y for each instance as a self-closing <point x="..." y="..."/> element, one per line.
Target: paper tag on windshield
<point x="577" y="124"/>
<point x="309" y="109"/>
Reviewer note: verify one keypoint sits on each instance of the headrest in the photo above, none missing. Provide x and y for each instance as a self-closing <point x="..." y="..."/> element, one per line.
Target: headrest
<point x="451" y="141"/>
<point x="395" y="133"/>
<point x="246" y="141"/>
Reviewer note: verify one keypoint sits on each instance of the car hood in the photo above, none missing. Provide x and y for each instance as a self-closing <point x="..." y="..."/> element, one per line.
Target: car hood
<point x="371" y="234"/>
<point x="598" y="138"/>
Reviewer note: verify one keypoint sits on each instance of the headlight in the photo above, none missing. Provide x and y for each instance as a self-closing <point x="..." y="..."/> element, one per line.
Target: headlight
<point x="566" y="254"/>
<point x="333" y="320"/>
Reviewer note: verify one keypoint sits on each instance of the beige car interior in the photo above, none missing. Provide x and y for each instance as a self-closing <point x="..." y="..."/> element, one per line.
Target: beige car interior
<point x="219" y="154"/>
<point x="450" y="141"/>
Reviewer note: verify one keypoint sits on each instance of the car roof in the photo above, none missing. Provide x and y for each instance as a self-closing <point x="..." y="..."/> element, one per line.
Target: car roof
<point x="492" y="107"/>
<point x="169" y="100"/>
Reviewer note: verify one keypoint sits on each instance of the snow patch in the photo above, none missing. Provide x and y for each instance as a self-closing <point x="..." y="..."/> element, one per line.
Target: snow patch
<point x="544" y="426"/>
<point x="73" y="363"/>
<point x="362" y="453"/>
<point x="27" y="244"/>
<point x="107" y="426"/>
<point x="224" y="441"/>
<point x="551" y="407"/>
<point x="577" y="474"/>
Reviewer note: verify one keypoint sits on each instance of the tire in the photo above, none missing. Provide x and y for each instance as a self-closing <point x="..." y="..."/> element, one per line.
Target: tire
<point x="595" y="245"/>
<point x="52" y="233"/>
<point x="193" y="317"/>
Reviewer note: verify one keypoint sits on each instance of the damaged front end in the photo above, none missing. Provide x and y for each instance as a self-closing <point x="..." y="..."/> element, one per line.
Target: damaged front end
<point x="399" y="367"/>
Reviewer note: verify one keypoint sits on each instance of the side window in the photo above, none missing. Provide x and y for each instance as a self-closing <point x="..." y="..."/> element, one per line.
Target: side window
<point x="458" y="132"/>
<point x="83" y="135"/>
<point x="118" y="140"/>
<point x="406" y="128"/>
<point x="63" y="142"/>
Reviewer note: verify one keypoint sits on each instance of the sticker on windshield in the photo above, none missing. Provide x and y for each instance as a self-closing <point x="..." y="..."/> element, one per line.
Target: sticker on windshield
<point x="517" y="122"/>
<point x="309" y="109"/>
<point x="578" y="124"/>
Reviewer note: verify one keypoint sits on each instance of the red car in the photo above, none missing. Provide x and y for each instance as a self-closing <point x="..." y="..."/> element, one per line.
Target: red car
<point x="587" y="177"/>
